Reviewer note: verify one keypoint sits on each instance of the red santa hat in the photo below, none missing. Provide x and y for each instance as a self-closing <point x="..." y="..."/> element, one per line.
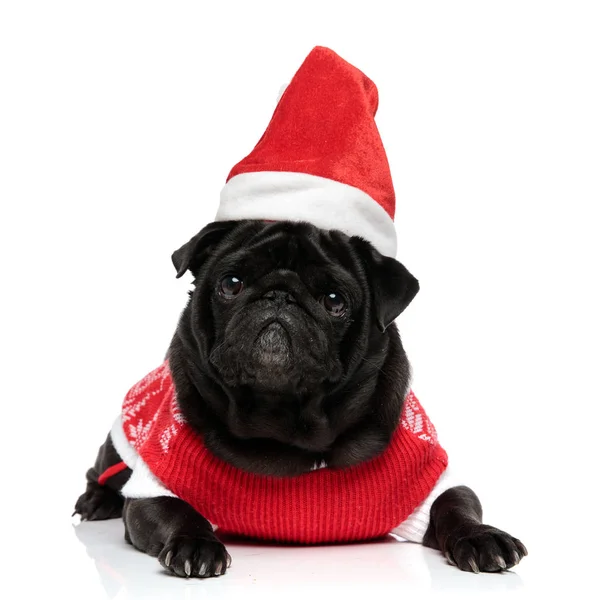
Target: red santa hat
<point x="321" y="159"/>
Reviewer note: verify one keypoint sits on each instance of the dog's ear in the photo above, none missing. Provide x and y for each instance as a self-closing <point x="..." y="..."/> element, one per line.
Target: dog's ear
<point x="193" y="253"/>
<point x="393" y="286"/>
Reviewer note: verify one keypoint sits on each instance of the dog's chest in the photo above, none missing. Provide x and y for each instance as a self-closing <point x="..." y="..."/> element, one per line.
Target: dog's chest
<point x="324" y="505"/>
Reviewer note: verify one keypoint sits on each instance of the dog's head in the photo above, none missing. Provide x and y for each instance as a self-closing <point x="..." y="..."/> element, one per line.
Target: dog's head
<point x="286" y="329"/>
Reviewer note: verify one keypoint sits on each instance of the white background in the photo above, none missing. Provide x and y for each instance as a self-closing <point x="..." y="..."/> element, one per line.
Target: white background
<point x="119" y="122"/>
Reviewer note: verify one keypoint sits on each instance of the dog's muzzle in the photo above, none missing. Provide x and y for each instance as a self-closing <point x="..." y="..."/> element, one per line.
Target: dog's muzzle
<point x="273" y="346"/>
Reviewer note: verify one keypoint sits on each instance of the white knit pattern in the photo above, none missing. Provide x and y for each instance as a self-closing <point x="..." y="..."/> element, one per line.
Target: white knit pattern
<point x="137" y="429"/>
<point x="172" y="430"/>
<point x="416" y="421"/>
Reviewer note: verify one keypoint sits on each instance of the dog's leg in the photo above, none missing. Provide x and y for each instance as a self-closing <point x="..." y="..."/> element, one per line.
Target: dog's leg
<point x="103" y="500"/>
<point x="456" y="528"/>
<point x="182" y="538"/>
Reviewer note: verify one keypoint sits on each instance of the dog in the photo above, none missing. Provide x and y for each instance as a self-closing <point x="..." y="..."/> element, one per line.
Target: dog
<point x="288" y="365"/>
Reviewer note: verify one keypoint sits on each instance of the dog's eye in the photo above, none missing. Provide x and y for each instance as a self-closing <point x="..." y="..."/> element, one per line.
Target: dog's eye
<point x="231" y="286"/>
<point x="334" y="304"/>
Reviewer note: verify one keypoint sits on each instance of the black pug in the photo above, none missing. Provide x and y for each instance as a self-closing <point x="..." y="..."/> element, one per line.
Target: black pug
<point x="286" y="357"/>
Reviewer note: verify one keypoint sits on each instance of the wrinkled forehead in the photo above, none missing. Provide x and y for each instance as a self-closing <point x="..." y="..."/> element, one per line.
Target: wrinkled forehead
<point x="290" y="247"/>
<point x="296" y="247"/>
<point x="287" y="246"/>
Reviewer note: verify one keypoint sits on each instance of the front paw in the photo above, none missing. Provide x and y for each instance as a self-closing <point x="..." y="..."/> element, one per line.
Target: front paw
<point x="99" y="502"/>
<point x="484" y="548"/>
<point x="193" y="557"/>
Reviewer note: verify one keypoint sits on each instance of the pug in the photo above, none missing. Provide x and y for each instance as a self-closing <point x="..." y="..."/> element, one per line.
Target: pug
<point x="284" y="412"/>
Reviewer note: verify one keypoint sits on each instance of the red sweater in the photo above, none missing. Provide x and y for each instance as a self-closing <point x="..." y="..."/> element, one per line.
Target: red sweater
<point x="326" y="505"/>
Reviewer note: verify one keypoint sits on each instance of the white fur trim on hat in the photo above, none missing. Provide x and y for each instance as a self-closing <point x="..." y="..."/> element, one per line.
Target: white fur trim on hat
<point x="327" y="204"/>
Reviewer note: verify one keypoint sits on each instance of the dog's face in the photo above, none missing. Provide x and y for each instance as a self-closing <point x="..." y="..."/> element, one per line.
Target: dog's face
<point x="283" y="318"/>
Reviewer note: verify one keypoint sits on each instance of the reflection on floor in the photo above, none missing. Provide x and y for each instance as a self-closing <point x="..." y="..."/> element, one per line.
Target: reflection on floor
<point x="275" y="571"/>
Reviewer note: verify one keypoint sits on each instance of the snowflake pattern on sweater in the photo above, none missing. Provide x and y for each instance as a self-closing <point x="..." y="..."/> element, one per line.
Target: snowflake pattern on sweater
<point x="159" y="383"/>
<point x="326" y="505"/>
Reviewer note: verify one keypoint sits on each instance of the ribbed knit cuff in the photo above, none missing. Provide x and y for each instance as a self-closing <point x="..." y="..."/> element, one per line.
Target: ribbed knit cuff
<point x="414" y="528"/>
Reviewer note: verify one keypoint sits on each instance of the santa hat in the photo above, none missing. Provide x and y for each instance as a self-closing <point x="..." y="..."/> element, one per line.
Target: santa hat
<point x="321" y="159"/>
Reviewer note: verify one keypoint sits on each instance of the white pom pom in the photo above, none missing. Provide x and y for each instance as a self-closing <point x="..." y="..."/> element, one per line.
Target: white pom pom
<point x="281" y="90"/>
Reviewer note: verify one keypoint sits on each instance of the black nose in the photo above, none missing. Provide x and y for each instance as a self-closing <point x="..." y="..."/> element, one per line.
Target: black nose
<point x="280" y="296"/>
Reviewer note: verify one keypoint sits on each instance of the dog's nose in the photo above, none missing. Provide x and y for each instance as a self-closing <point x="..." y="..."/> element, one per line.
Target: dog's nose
<point x="280" y="296"/>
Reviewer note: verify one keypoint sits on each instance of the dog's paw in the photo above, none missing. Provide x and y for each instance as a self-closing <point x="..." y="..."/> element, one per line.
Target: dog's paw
<point x="484" y="548"/>
<point x="99" y="502"/>
<point x="193" y="557"/>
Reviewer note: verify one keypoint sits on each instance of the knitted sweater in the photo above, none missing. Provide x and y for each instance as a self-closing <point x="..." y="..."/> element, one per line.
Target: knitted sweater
<point x="365" y="501"/>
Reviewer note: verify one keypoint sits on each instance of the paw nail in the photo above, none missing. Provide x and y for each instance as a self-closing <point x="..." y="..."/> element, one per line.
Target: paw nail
<point x="203" y="568"/>
<point x="474" y="566"/>
<point x="168" y="558"/>
<point x="449" y="559"/>
<point x="522" y="548"/>
<point x="516" y="558"/>
<point x="501" y="562"/>
<point x="187" y="567"/>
